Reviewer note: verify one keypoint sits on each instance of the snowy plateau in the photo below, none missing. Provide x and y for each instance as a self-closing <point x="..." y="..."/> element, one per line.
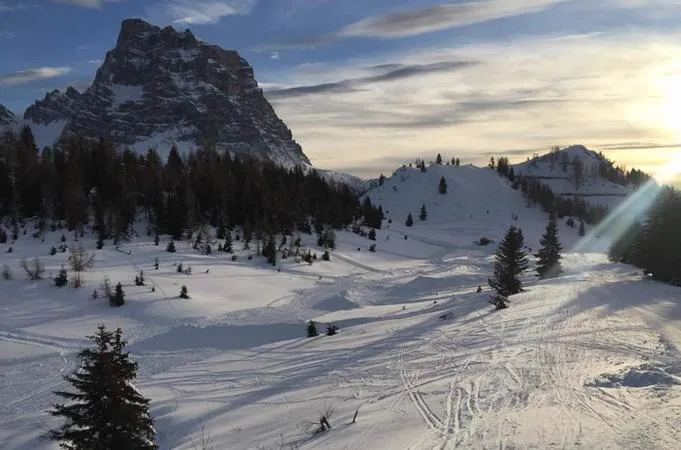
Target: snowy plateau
<point x="587" y="360"/>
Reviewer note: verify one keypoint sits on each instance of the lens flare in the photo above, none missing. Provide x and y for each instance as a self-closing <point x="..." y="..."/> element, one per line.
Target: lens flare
<point x="634" y="208"/>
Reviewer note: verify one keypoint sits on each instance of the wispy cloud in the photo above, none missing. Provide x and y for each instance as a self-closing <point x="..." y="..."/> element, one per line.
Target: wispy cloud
<point x="274" y="55"/>
<point x="419" y="21"/>
<point x="95" y="61"/>
<point x="525" y="94"/>
<point x="4" y="34"/>
<point x="28" y="75"/>
<point x="387" y="72"/>
<point x="409" y="23"/>
<point x="5" y="8"/>
<point x="82" y="3"/>
<point x="201" y="12"/>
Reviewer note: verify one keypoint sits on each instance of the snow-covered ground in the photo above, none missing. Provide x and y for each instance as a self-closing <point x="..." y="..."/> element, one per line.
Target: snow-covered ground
<point x="588" y="360"/>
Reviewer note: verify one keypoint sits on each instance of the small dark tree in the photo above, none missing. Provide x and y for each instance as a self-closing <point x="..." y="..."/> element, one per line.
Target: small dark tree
<point x="372" y="234"/>
<point x="3" y="236"/>
<point x="372" y="248"/>
<point x="184" y="293"/>
<point x="61" y="279"/>
<point x="179" y="268"/>
<point x="227" y="247"/>
<point x="53" y="251"/>
<point x="156" y="239"/>
<point x="331" y="330"/>
<point x="548" y="265"/>
<point x="106" y="411"/>
<point x="438" y="160"/>
<point x="100" y="243"/>
<point x="410" y="221"/>
<point x="312" y="329"/>
<point x="582" y="228"/>
<point x="423" y="215"/>
<point x="139" y="279"/>
<point x="325" y="256"/>
<point x="156" y="263"/>
<point x="442" y="188"/>
<point x="171" y="247"/>
<point x="510" y="262"/>
<point x="118" y="298"/>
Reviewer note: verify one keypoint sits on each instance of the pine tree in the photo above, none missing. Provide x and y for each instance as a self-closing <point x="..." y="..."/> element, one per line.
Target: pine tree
<point x="510" y="262"/>
<point x="227" y="247"/>
<point x="372" y="234"/>
<point x="331" y="330"/>
<point x="171" y="247"/>
<point x="61" y="279"/>
<point x="438" y="160"/>
<point x="312" y="329"/>
<point x="582" y="229"/>
<point x="549" y="256"/>
<point x="106" y="411"/>
<point x="423" y="215"/>
<point x="442" y="188"/>
<point x="410" y="221"/>
<point x="156" y="239"/>
<point x="118" y="298"/>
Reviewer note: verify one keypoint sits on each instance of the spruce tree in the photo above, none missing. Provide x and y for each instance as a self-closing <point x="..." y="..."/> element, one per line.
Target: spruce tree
<point x="118" y="298"/>
<point x="438" y="160"/>
<point x="312" y="329"/>
<point x="423" y="215"/>
<point x="106" y="411"/>
<point x="410" y="221"/>
<point x="582" y="229"/>
<point x="227" y="248"/>
<point x="171" y="247"/>
<point x="548" y="265"/>
<point x="183" y="292"/>
<point x="442" y="188"/>
<point x="510" y="262"/>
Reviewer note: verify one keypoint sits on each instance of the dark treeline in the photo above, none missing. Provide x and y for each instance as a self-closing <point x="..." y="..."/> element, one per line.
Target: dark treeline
<point x="655" y="245"/>
<point x="540" y="193"/>
<point x="86" y="183"/>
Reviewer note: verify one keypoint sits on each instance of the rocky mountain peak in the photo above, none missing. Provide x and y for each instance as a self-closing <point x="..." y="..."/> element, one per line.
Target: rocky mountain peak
<point x="55" y="106"/>
<point x="6" y="116"/>
<point x="160" y="87"/>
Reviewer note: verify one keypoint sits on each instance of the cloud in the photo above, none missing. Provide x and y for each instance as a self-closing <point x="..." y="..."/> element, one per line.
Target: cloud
<point x="440" y="17"/>
<point x="387" y="72"/>
<point x="274" y="55"/>
<point x="28" y="75"/>
<point x="5" y="8"/>
<point x="202" y="12"/>
<point x="597" y="89"/>
<point x="82" y="3"/>
<point x="95" y="61"/>
<point x="4" y="34"/>
<point x="425" y="20"/>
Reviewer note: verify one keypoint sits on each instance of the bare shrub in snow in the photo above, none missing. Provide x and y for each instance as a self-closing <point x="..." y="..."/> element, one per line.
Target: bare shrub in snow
<point x="34" y="268"/>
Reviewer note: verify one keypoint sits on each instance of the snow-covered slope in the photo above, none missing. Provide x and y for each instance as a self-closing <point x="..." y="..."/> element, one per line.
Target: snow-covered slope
<point x="591" y="359"/>
<point x="558" y="170"/>
<point x="478" y="203"/>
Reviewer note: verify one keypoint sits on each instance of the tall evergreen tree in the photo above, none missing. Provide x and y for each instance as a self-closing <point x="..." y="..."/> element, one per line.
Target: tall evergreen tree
<point x="106" y="411"/>
<point x="438" y="160"/>
<point x="549" y="256"/>
<point x="510" y="262"/>
<point x="410" y="220"/>
<point x="442" y="188"/>
<point x="423" y="215"/>
<point x="582" y="229"/>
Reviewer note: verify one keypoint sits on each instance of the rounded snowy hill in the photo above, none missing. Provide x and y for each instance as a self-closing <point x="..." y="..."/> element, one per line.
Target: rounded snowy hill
<point x="478" y="203"/>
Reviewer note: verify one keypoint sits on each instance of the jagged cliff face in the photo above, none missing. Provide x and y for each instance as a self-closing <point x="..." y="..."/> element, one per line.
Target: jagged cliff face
<point x="159" y="86"/>
<point x="6" y="116"/>
<point x="56" y="106"/>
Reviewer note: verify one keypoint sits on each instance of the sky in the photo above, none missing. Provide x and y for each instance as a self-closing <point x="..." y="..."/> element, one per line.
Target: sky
<point x="367" y="85"/>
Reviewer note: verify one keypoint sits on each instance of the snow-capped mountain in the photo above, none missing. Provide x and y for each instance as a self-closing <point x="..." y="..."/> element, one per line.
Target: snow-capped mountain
<point x="6" y="117"/>
<point x="575" y="171"/>
<point x="160" y="87"/>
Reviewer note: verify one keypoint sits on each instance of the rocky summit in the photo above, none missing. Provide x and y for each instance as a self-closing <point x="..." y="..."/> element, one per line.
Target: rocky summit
<point x="6" y="116"/>
<point x="160" y="87"/>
